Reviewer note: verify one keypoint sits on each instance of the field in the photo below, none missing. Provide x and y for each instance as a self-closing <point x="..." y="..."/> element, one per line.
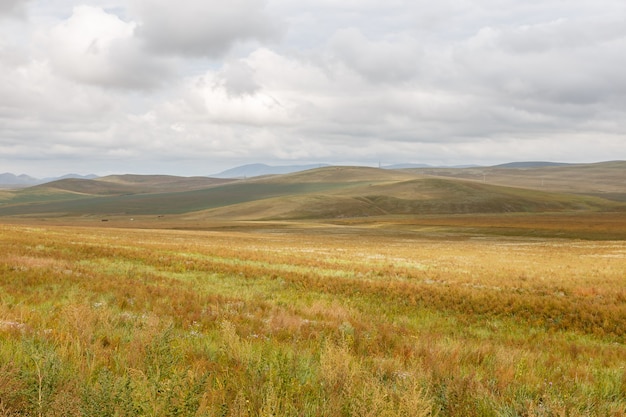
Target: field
<point x="492" y="315"/>
<point x="339" y="291"/>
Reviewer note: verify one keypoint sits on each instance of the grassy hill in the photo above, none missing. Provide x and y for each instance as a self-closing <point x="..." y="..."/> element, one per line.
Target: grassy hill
<point x="132" y="184"/>
<point x="80" y="196"/>
<point x="163" y="183"/>
<point x="412" y="197"/>
<point x="342" y="174"/>
<point x="87" y="187"/>
<point x="323" y="193"/>
<point x="606" y="179"/>
<point x="155" y="203"/>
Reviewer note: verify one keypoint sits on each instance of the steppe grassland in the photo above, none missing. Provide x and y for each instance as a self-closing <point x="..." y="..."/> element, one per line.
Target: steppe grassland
<point x="313" y="321"/>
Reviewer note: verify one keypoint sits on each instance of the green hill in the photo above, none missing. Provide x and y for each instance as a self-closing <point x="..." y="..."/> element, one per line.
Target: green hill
<point x="157" y="203"/>
<point x="86" y="187"/>
<point x="341" y="174"/>
<point x="132" y="184"/>
<point x="412" y="197"/>
<point x="606" y="179"/>
<point x="163" y="183"/>
<point x="85" y="195"/>
<point x="324" y="193"/>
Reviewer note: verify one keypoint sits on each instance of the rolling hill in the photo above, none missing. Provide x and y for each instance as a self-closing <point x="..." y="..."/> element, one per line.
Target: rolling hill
<point x="8" y="180"/>
<point x="421" y="196"/>
<point x="132" y="184"/>
<point x="329" y="193"/>
<point x="605" y="179"/>
<point x="115" y="193"/>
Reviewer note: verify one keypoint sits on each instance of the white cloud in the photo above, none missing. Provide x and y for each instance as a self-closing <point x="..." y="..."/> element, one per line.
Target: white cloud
<point x="45" y="118"/>
<point x="96" y="47"/>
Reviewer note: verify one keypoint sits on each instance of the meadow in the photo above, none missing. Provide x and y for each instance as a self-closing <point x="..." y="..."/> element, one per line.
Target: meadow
<point x="443" y="316"/>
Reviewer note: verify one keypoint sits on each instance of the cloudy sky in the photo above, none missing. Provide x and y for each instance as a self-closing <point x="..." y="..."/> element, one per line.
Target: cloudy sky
<point x="192" y="87"/>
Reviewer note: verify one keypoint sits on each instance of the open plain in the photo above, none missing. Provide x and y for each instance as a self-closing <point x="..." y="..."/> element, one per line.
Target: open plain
<point x="336" y="292"/>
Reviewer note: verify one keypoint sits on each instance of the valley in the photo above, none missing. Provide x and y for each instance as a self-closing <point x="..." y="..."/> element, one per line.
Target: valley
<point x="336" y="291"/>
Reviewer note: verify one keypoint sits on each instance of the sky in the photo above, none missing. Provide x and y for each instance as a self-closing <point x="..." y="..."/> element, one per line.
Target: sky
<point x="193" y="87"/>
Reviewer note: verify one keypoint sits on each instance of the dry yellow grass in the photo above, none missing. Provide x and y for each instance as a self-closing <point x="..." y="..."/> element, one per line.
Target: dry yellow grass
<point x="311" y="320"/>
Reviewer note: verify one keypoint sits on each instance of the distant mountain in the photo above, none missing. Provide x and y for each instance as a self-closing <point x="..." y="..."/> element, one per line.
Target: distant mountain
<point x="257" y="170"/>
<point x="72" y="176"/>
<point x="411" y="166"/>
<point x="9" y="180"/>
<point x="406" y="166"/>
<point x="531" y="164"/>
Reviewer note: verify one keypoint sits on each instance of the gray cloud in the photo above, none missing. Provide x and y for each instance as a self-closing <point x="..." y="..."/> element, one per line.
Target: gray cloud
<point x="238" y="79"/>
<point x="14" y="8"/>
<point x="203" y="28"/>
<point x="531" y="68"/>
<point x="392" y="60"/>
<point x="562" y="34"/>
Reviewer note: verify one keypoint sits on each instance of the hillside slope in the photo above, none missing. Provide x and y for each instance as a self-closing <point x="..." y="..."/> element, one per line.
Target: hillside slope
<point x="324" y="193"/>
<point x="73" y="203"/>
<point x="132" y="184"/>
<point x="606" y="179"/>
<point x="411" y="197"/>
<point x="163" y="183"/>
<point x="343" y="174"/>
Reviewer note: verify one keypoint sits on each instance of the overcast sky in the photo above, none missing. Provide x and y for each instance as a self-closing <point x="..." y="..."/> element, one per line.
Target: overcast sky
<point x="192" y="87"/>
